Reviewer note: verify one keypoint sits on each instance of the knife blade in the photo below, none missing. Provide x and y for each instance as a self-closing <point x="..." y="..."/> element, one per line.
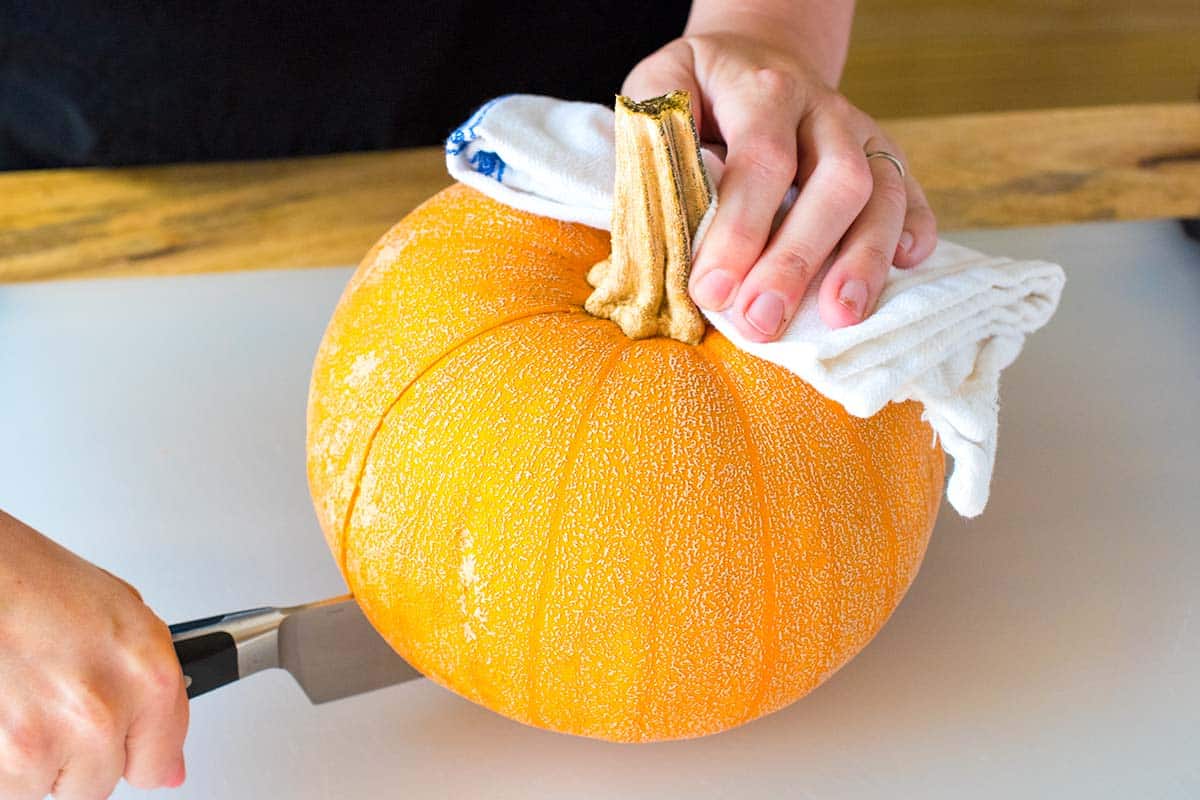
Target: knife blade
<point x="328" y="646"/>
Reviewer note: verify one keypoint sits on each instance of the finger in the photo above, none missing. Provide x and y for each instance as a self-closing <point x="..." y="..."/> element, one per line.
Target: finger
<point x="154" y="744"/>
<point x="27" y="771"/>
<point x="920" y="228"/>
<point x="761" y="135"/>
<point x="91" y="773"/>
<point x="833" y="195"/>
<point x="31" y="753"/>
<point x="24" y="787"/>
<point x="92" y="723"/>
<point x="851" y="288"/>
<point x="671" y="68"/>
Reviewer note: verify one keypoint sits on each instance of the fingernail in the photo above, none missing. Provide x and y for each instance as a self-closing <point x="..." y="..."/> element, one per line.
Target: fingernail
<point x="906" y="242"/>
<point x="853" y="295"/>
<point x="766" y="313"/>
<point x="714" y="289"/>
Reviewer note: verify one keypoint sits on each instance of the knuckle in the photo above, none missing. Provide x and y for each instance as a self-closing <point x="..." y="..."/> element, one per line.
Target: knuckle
<point x="775" y="83"/>
<point x="162" y="678"/>
<point x="769" y="156"/>
<point x="841" y="109"/>
<point x="150" y="624"/>
<point x="94" y="717"/>
<point x="873" y="255"/>
<point x="24" y="748"/>
<point x="155" y="673"/>
<point x="837" y="104"/>
<point x="737" y="238"/>
<point x="794" y="263"/>
<point x="850" y="177"/>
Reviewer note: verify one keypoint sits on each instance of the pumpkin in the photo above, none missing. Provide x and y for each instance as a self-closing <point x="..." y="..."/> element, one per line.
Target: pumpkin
<point x="576" y="505"/>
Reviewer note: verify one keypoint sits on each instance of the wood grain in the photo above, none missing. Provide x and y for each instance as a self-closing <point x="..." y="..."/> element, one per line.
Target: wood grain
<point x="915" y="57"/>
<point x="1058" y="166"/>
<point x="980" y="170"/>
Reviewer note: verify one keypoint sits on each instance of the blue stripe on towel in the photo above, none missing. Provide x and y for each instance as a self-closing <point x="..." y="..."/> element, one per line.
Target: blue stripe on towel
<point x="457" y="141"/>
<point x="488" y="163"/>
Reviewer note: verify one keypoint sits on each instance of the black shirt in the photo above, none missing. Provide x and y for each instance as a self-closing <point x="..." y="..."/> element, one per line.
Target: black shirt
<point x="89" y="82"/>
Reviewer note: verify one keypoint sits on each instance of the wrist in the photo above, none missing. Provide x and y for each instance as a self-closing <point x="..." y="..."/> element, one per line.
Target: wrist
<point x="816" y="34"/>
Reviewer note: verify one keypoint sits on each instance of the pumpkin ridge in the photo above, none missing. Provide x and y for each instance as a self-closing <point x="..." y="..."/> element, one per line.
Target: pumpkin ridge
<point x="652" y="638"/>
<point x="660" y="555"/>
<point x="768" y="628"/>
<point x="362" y="468"/>
<point x="554" y="528"/>
<point x="877" y="488"/>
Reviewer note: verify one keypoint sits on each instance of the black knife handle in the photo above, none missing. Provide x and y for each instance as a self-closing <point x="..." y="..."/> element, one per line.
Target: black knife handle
<point x="208" y="659"/>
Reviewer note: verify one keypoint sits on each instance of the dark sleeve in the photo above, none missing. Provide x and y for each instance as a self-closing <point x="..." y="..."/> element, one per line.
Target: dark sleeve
<point x="89" y="82"/>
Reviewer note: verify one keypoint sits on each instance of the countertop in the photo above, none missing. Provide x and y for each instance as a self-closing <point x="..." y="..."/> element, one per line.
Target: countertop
<point x="1046" y="649"/>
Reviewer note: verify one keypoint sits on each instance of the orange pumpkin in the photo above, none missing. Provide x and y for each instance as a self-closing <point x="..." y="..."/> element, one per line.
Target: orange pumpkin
<point x="630" y="539"/>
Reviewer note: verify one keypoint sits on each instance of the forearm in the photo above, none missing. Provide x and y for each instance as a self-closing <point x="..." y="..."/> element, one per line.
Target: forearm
<point x="820" y="29"/>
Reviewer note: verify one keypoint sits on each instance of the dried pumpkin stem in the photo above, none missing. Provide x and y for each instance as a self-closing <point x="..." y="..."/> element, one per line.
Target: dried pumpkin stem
<point x="662" y="193"/>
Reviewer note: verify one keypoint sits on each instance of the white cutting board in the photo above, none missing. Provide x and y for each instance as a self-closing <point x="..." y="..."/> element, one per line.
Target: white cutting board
<point x="1047" y="649"/>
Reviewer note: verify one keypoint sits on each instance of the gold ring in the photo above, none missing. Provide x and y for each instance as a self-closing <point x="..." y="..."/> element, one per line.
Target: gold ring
<point x="889" y="157"/>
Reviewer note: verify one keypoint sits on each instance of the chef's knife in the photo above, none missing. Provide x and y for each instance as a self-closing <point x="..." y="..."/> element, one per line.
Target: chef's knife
<point x="329" y="647"/>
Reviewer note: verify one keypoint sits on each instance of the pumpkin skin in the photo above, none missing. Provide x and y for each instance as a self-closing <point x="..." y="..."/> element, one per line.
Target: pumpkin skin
<point x="633" y="540"/>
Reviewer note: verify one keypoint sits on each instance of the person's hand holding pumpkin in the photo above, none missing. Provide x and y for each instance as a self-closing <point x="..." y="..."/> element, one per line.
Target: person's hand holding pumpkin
<point x="762" y="75"/>
<point x="90" y="688"/>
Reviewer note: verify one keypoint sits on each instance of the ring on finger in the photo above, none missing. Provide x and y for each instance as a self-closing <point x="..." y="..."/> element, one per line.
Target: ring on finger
<point x="884" y="154"/>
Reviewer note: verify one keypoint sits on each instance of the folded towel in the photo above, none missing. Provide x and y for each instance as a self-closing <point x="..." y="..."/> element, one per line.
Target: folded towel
<point x="941" y="332"/>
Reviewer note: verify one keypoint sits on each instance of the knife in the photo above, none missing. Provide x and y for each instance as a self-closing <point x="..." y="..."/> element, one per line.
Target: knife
<point x="329" y="647"/>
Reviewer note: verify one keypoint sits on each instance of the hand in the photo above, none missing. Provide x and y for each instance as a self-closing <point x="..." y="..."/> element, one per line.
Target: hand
<point x="90" y="688"/>
<point x="783" y="125"/>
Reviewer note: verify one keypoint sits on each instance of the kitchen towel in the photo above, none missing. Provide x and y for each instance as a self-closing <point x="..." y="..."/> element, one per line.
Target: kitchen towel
<point x="941" y="333"/>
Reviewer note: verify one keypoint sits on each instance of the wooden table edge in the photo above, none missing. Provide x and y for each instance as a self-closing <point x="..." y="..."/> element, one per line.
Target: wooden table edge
<point x="980" y="170"/>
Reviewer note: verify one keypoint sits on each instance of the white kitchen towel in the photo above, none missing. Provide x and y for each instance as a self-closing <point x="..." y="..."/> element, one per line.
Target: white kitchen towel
<point x="941" y="332"/>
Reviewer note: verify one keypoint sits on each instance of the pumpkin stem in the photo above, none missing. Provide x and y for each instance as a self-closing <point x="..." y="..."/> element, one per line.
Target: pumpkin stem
<point x="662" y="192"/>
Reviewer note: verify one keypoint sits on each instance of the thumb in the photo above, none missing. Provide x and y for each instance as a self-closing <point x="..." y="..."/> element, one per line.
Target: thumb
<point x="662" y="72"/>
